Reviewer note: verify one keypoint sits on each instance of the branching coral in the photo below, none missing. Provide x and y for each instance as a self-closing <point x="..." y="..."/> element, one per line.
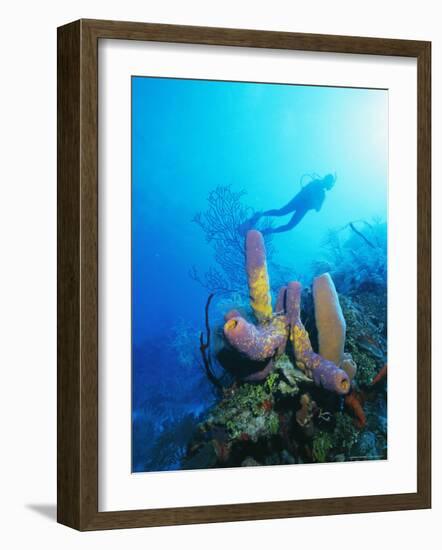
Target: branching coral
<point x="220" y="221"/>
<point x="222" y="224"/>
<point x="225" y="213"/>
<point x="357" y="253"/>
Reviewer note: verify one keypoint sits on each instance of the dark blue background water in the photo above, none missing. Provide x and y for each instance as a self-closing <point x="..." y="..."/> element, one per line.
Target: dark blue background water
<point x="190" y="136"/>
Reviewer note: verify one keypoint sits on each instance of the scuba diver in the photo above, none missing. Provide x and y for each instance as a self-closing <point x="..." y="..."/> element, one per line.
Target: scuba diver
<point x="311" y="197"/>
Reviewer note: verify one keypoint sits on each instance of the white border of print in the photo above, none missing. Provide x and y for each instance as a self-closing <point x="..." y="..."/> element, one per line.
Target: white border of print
<point x="119" y="489"/>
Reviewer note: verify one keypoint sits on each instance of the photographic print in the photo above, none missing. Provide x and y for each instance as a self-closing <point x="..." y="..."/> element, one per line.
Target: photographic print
<point x="259" y="274"/>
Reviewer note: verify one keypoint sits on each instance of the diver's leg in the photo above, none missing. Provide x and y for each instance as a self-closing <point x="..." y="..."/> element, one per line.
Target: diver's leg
<point x="296" y="218"/>
<point x="289" y="207"/>
<point x="251" y="222"/>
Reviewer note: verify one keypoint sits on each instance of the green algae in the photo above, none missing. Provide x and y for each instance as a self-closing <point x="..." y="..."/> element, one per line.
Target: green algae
<point x="322" y="443"/>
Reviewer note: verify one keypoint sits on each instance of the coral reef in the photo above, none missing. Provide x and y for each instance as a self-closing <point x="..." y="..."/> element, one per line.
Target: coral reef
<point x="356" y="256"/>
<point x="365" y="314"/>
<point x="345" y="434"/>
<point x="249" y="421"/>
<point x="310" y="374"/>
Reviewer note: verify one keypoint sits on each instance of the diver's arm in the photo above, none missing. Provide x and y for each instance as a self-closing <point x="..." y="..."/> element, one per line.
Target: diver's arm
<point x="320" y="201"/>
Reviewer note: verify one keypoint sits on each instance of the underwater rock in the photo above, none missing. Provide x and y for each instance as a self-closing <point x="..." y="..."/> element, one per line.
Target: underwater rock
<point x="376" y="410"/>
<point x="287" y="389"/>
<point x="248" y="414"/>
<point x="272" y="460"/>
<point x="345" y="435"/>
<point x="252" y="420"/>
<point x="370" y="347"/>
<point x="249" y="461"/>
<point x="366" y="342"/>
<point x="291" y="376"/>
<point x="287" y="458"/>
<point x="366" y="447"/>
<point x="205" y="457"/>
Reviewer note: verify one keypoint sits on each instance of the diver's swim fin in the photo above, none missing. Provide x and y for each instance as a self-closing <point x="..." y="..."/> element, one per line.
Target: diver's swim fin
<point x="249" y="224"/>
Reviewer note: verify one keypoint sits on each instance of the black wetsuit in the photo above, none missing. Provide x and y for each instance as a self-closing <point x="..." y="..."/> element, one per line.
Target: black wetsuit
<point x="311" y="197"/>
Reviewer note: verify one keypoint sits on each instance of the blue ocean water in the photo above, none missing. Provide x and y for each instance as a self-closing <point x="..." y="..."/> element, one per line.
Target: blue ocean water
<point x="190" y="137"/>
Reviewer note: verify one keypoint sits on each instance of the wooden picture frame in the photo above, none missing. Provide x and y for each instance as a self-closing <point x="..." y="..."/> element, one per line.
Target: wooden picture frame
<point x="78" y="274"/>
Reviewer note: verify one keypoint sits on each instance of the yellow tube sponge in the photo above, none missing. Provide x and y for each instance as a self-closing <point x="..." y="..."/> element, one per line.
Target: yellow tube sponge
<point x="330" y="321"/>
<point x="257" y="276"/>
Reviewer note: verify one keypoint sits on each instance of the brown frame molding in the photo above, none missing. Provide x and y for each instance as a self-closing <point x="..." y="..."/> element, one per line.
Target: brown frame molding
<point x="77" y="224"/>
